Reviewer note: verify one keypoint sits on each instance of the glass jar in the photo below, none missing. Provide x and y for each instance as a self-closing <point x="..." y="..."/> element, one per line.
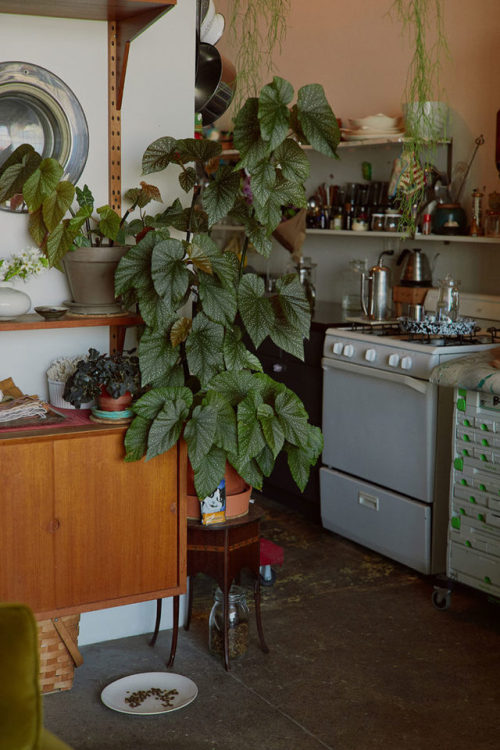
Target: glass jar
<point x="351" y="286"/>
<point x="378" y="222"/>
<point x="360" y="221"/>
<point x="391" y="221"/>
<point x="237" y="623"/>
<point x="492" y="224"/>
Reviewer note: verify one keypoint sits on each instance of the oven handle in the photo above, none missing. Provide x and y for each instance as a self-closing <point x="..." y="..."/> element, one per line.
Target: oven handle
<point x="422" y="386"/>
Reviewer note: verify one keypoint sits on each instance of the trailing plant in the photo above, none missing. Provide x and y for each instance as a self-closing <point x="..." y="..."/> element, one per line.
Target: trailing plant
<point x="55" y="223"/>
<point x="118" y="373"/>
<point x="204" y="383"/>
<point x="256" y="29"/>
<point x="422" y="21"/>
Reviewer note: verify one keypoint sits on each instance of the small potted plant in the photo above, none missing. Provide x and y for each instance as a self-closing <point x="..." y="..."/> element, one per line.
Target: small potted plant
<point x="28" y="262"/>
<point x="84" y="240"/>
<point x="111" y="379"/>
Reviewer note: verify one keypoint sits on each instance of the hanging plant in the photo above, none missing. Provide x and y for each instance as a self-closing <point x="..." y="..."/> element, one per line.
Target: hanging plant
<point x="256" y="29"/>
<point x="422" y="21"/>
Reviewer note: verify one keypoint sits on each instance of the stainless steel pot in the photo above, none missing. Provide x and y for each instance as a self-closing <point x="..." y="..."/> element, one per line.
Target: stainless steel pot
<point x="416" y="268"/>
<point x="214" y="83"/>
<point x="378" y="305"/>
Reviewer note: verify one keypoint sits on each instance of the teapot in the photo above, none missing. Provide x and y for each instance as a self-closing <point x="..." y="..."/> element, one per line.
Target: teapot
<point x="416" y="268"/>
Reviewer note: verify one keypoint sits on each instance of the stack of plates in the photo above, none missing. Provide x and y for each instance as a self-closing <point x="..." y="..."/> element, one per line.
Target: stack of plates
<point x="373" y="126"/>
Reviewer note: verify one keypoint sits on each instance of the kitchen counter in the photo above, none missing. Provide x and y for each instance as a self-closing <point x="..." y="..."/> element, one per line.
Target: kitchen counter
<point x="327" y="315"/>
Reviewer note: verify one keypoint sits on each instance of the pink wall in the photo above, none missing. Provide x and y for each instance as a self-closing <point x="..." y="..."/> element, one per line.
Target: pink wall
<point x="358" y="52"/>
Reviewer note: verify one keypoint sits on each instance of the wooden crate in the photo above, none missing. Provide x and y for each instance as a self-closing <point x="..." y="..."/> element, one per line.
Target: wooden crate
<point x="58" y="652"/>
<point x="409" y="295"/>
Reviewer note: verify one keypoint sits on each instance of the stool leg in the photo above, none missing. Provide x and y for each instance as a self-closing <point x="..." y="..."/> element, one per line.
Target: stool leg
<point x="256" y="596"/>
<point x="190" y="603"/>
<point x="226" y="628"/>
<point x="157" y="623"/>
<point x="175" y="633"/>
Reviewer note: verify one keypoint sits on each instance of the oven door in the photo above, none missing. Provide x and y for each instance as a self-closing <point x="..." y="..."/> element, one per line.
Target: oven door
<point x="380" y="426"/>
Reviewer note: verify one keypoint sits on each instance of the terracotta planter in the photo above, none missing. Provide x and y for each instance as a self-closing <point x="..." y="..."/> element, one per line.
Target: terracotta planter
<point x="105" y="402"/>
<point x="238" y="494"/>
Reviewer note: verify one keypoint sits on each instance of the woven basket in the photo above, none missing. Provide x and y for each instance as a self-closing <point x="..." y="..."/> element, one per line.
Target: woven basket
<point x="58" y="652"/>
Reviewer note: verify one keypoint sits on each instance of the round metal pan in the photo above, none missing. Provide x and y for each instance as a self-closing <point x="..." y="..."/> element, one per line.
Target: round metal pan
<point x="214" y="84"/>
<point x="37" y="107"/>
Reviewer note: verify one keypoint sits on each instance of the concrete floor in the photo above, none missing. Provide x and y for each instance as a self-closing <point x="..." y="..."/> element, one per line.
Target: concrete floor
<point x="359" y="660"/>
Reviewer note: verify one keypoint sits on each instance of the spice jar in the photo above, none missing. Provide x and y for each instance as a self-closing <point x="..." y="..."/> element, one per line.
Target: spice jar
<point x="391" y="222"/>
<point x="360" y="221"/>
<point x="378" y="222"/>
<point x="237" y="623"/>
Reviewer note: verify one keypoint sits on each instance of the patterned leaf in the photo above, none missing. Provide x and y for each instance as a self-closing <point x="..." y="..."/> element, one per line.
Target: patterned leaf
<point x="149" y="405"/>
<point x="255" y="308"/>
<point x="234" y="386"/>
<point x="219" y="196"/>
<point x="292" y="417"/>
<point x="263" y="180"/>
<point x="180" y="331"/>
<point x="200" y="433"/>
<point x="167" y="427"/>
<point x="169" y="272"/>
<point x="222" y="263"/>
<point x="250" y="436"/>
<point x="265" y="461"/>
<point x="247" y="136"/>
<point x="60" y="242"/>
<point x="198" y="149"/>
<point x="219" y="303"/>
<point x="136" y="439"/>
<point x="291" y="304"/>
<point x="225" y="433"/>
<point x="204" y="348"/>
<point x="273" y="111"/>
<point x="236" y="355"/>
<point x="187" y="179"/>
<point x="134" y="268"/>
<point x="273" y="432"/>
<point x="109" y="224"/>
<point x="199" y="258"/>
<point x="248" y="470"/>
<point x="317" y="119"/>
<point x="300" y="459"/>
<point x="209" y="472"/>
<point x="292" y="161"/>
<point x="156" y="356"/>
<point x="16" y="169"/>
<point x="158" y="155"/>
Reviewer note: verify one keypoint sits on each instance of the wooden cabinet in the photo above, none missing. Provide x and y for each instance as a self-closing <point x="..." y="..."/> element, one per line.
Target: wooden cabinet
<point x="81" y="528"/>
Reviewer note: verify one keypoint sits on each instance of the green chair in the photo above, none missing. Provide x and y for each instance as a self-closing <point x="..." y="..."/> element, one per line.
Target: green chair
<point x="21" y="725"/>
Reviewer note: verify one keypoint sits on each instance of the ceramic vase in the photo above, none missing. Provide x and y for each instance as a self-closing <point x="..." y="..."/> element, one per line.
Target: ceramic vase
<point x="13" y="302"/>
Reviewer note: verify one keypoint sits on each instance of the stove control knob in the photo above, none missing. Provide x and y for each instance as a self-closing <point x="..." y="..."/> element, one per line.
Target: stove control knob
<point x="348" y="350"/>
<point x="393" y="360"/>
<point x="406" y="363"/>
<point x="370" y="355"/>
<point x="337" y="348"/>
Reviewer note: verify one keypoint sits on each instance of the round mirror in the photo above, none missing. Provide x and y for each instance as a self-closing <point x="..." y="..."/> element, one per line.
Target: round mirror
<point x="37" y="107"/>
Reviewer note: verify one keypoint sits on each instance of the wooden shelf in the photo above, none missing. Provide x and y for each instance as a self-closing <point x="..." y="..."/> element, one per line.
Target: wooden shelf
<point x="32" y="321"/>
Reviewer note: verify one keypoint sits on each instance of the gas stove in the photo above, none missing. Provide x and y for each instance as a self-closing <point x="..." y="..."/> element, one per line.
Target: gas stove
<point x="383" y="345"/>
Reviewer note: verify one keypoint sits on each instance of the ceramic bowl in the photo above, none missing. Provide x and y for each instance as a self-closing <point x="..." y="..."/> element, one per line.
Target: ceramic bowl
<point x="51" y="313"/>
<point x="375" y="122"/>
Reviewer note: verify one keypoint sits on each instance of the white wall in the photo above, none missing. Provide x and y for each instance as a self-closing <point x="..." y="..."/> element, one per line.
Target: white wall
<point x="158" y="100"/>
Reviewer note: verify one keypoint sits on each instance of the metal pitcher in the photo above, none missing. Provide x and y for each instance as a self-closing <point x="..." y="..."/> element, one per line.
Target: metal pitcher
<point x="378" y="306"/>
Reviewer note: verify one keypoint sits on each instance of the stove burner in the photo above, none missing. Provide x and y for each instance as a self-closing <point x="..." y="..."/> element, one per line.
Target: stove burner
<point x="392" y="330"/>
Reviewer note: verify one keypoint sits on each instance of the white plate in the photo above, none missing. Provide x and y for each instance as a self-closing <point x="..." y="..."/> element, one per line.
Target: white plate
<point x="115" y="694"/>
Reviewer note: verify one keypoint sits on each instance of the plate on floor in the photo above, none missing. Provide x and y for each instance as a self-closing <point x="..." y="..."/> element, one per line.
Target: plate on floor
<point x="149" y="693"/>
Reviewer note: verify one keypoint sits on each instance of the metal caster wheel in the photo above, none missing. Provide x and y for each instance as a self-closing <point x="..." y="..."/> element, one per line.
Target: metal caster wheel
<point x="441" y="599"/>
<point x="269" y="578"/>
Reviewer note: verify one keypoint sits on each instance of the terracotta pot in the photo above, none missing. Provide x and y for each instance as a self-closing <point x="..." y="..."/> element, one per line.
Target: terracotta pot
<point x="105" y="402"/>
<point x="238" y="494"/>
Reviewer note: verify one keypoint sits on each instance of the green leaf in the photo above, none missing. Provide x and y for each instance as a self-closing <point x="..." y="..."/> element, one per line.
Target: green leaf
<point x="16" y="169"/>
<point x="236" y="355"/>
<point x="285" y="337"/>
<point x="180" y="331"/>
<point x="219" y="303"/>
<point x="219" y="196"/>
<point x="199" y="258"/>
<point x="136" y="439"/>
<point x="233" y="386"/>
<point x="167" y="426"/>
<point x="221" y="263"/>
<point x="134" y="268"/>
<point x="265" y="460"/>
<point x="57" y="203"/>
<point x="250" y="436"/>
<point x="187" y="179"/>
<point x="200" y="433"/>
<point x="169" y="272"/>
<point x="85" y="198"/>
<point x="60" y="242"/>
<point x="225" y="432"/>
<point x="292" y="417"/>
<point x="154" y="311"/>
<point x="284" y="193"/>
<point x="263" y="179"/>
<point x="204" y="348"/>
<point x="248" y="470"/>
<point x="292" y="161"/>
<point x="158" y="155"/>
<point x="247" y="136"/>
<point x="291" y="305"/>
<point x="273" y="432"/>
<point x="109" y="224"/>
<point x="209" y="472"/>
<point x="300" y="459"/>
<point x="150" y="404"/>
<point x="41" y="183"/>
<point x="156" y="356"/>
<point x="36" y="227"/>
<point x="255" y="308"/>
<point x="317" y="119"/>
<point x="273" y="111"/>
<point x="199" y="150"/>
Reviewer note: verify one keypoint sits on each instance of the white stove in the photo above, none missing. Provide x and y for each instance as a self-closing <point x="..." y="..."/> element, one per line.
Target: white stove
<point x="388" y="432"/>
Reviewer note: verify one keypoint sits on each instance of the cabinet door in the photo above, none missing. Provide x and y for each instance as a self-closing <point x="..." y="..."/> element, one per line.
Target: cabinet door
<point x="118" y="534"/>
<point x="27" y="530"/>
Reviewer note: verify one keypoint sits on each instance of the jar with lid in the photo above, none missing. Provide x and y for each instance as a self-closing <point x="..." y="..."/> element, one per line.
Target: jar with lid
<point x="378" y="222"/>
<point x="237" y="623"/>
<point x="360" y="221"/>
<point x="391" y="221"/>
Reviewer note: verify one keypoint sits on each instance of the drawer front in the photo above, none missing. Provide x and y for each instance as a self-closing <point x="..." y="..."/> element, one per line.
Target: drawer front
<point x="475" y="568"/>
<point x="383" y="521"/>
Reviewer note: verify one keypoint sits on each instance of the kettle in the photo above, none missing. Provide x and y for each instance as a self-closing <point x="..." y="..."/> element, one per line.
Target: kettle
<point x="378" y="306"/>
<point x="416" y="268"/>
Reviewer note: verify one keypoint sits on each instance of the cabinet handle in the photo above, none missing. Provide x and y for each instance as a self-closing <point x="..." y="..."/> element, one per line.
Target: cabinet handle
<point x="53" y="525"/>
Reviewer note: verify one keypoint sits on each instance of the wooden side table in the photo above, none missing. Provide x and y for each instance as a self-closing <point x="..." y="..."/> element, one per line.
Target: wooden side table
<point x="221" y="551"/>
